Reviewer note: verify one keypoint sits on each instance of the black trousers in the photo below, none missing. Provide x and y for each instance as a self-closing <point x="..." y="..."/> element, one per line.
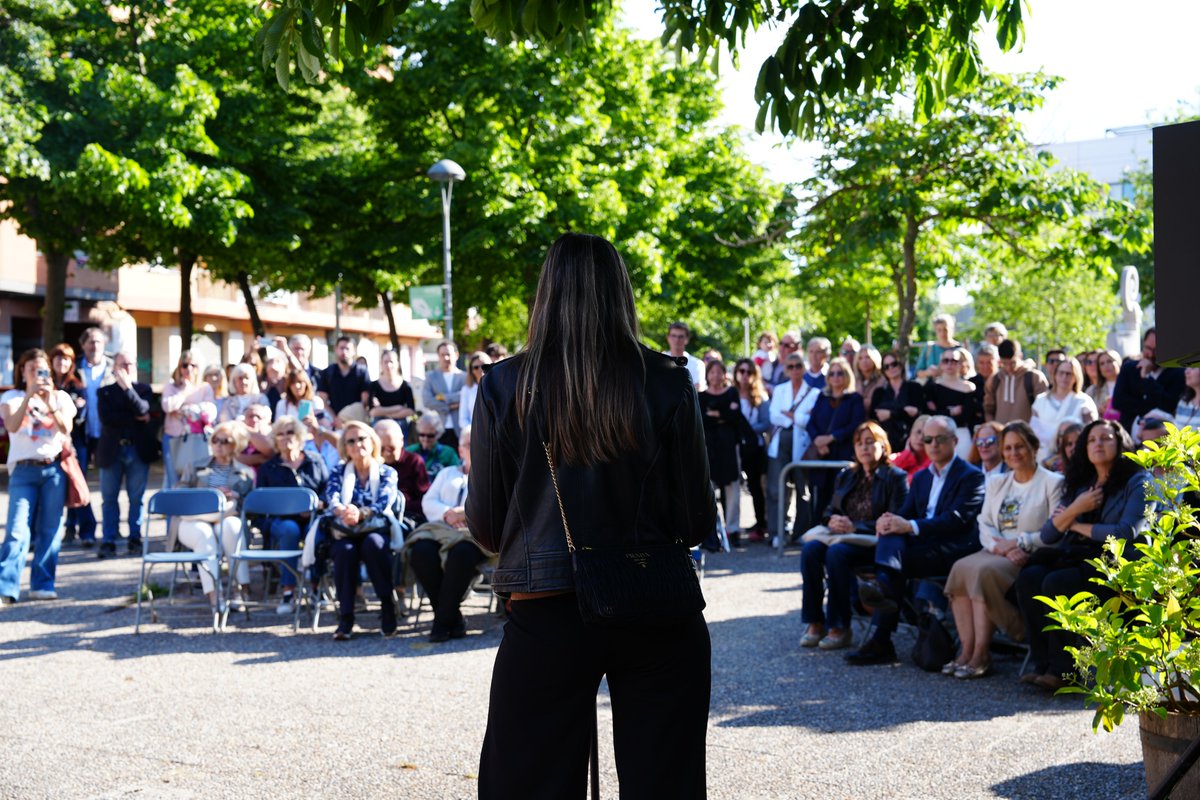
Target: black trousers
<point x="754" y="464"/>
<point x="372" y="551"/>
<point x="899" y="558"/>
<point x="543" y="700"/>
<point x="445" y="586"/>
<point x="1047" y="649"/>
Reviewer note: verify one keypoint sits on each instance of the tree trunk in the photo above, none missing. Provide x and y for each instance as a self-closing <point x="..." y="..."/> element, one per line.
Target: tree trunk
<point x="186" y="323"/>
<point x="393" y="334"/>
<point x="906" y="288"/>
<point x="56" y="299"/>
<point x="248" y="294"/>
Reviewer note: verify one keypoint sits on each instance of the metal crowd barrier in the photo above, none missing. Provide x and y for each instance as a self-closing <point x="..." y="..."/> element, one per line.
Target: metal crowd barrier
<point x="781" y="536"/>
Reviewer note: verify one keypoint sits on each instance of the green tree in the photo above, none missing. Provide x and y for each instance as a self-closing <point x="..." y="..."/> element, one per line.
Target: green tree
<point x="922" y="202"/>
<point x="833" y="50"/>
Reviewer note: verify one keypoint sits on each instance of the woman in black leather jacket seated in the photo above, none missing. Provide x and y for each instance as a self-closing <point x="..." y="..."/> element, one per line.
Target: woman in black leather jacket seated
<point x="846" y="537"/>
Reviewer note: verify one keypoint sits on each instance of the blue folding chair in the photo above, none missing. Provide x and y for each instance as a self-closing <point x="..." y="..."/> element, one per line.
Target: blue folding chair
<point x="275" y="501"/>
<point x="180" y="503"/>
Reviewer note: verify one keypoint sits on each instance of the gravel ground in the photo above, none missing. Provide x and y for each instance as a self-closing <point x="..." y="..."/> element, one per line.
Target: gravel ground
<point x="91" y="710"/>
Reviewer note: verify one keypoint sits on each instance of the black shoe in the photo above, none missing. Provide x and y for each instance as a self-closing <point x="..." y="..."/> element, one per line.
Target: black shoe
<point x="134" y="547"/>
<point x="87" y="544"/>
<point x="345" y="630"/>
<point x="459" y="631"/>
<point x="68" y="536"/>
<point x="871" y="595"/>
<point x="439" y="636"/>
<point x="387" y="619"/>
<point x="107" y="550"/>
<point x="873" y="652"/>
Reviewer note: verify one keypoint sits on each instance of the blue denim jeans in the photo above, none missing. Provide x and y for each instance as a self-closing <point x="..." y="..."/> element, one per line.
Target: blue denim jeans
<point x="838" y="561"/>
<point x="134" y="472"/>
<point x="36" y="497"/>
<point x="284" y="534"/>
<point x="168" y="467"/>
<point x="83" y="518"/>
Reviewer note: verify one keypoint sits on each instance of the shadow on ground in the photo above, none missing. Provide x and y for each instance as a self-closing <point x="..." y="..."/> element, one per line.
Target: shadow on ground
<point x="1086" y="779"/>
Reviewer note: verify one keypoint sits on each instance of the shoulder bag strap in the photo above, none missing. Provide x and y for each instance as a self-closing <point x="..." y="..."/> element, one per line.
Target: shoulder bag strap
<point x="562" y="511"/>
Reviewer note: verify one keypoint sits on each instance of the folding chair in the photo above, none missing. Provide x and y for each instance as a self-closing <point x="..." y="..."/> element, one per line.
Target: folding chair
<point x="181" y="503"/>
<point x="276" y="501"/>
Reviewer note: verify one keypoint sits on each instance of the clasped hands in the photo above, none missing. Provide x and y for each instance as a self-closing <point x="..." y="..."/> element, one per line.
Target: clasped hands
<point x="892" y="525"/>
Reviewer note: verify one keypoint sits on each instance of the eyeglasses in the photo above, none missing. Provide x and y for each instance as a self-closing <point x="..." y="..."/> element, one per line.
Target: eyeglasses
<point x="742" y="371"/>
<point x="426" y="435"/>
<point x="986" y="441"/>
<point x="222" y="441"/>
<point x="940" y="438"/>
<point x="350" y="441"/>
<point x="949" y="360"/>
<point x="794" y="366"/>
<point x="477" y="367"/>
<point x="890" y="364"/>
<point x="836" y="373"/>
<point x="285" y="434"/>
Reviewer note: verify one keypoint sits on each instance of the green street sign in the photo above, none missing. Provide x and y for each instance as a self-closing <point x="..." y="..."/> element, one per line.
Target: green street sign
<point x="426" y="302"/>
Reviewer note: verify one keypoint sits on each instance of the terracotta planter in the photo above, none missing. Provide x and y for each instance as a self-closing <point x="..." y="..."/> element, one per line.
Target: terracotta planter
<point x="1163" y="742"/>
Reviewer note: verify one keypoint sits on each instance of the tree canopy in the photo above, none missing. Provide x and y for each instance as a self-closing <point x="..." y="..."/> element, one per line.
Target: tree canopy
<point x="833" y="49"/>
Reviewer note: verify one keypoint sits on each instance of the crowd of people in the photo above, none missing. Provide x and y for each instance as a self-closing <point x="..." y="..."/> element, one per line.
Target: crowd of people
<point x="271" y="420"/>
<point x="974" y="464"/>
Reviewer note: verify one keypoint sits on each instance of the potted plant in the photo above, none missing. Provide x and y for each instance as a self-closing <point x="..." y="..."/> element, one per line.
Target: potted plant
<point x="1140" y="651"/>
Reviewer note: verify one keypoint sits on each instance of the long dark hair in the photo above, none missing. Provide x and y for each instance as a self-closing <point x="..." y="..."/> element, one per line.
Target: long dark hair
<point x="583" y="339"/>
<point x="1080" y="473"/>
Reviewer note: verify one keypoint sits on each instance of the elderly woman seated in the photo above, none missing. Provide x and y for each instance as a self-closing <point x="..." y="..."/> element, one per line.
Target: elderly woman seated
<point x="361" y="495"/>
<point x="234" y="481"/>
<point x="442" y="554"/>
<point x="846" y="539"/>
<point x="1017" y="501"/>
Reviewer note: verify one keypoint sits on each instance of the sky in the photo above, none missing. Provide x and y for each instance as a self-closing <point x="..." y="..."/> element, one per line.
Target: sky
<point x="1123" y="63"/>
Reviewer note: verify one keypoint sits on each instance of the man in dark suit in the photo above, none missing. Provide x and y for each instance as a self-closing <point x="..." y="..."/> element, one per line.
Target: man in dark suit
<point x="1143" y="386"/>
<point x="127" y="446"/>
<point x="933" y="528"/>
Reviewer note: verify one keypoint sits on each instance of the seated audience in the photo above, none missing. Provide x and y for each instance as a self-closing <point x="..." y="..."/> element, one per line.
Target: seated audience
<point x="411" y="477"/>
<point x="234" y="481"/>
<point x="442" y="554"/>
<point x="243" y="393"/>
<point x="987" y="450"/>
<point x="913" y="458"/>
<point x="360" y="495"/>
<point x="933" y="528"/>
<point x="1187" y="410"/>
<point x="1015" y="502"/>
<point x="1104" y="494"/>
<point x="861" y="494"/>
<point x="897" y="402"/>
<point x="429" y="446"/>
<point x="1064" y="447"/>
<point x="1065" y="402"/>
<point x="290" y="466"/>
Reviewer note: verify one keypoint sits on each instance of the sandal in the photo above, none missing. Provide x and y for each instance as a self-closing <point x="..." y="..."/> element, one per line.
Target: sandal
<point x="967" y="672"/>
<point x="812" y="638"/>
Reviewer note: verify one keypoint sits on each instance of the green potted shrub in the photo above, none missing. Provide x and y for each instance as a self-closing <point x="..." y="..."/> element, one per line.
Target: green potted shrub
<point x="1141" y="651"/>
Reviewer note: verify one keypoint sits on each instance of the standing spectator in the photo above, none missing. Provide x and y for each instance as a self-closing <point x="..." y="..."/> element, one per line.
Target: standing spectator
<point x="988" y="451"/>
<point x="1108" y="362"/>
<point x="66" y="379"/>
<point x="300" y="347"/>
<point x="411" y="477"/>
<point x="913" y="458"/>
<point x="930" y="359"/>
<point x="1010" y="393"/>
<point x="1054" y="357"/>
<point x="496" y="352"/>
<point x="1143" y="386"/>
<point x="275" y="374"/>
<point x="291" y="466"/>
<point x="678" y="337"/>
<point x="720" y="411"/>
<point x="359" y="493"/>
<point x="187" y="401"/>
<point x="344" y="382"/>
<point x="1065" y="402"/>
<point x="474" y="374"/>
<point x="38" y="420"/>
<point x="435" y="454"/>
<point x="819" y="350"/>
<point x="243" y="386"/>
<point x="994" y="333"/>
<point x="392" y="396"/>
<point x="897" y="402"/>
<point x="790" y="408"/>
<point x="260" y="442"/>
<point x="1064" y="447"/>
<point x="934" y="528"/>
<point x="868" y="373"/>
<point x="712" y="354"/>
<point x="443" y="391"/>
<point x="214" y="376"/>
<point x="755" y="406"/>
<point x="95" y="369"/>
<point x="953" y="395"/>
<point x="124" y="453"/>
<point x="297" y="390"/>
<point x="1187" y="410"/>
<point x="445" y="558"/>
<point x="1090" y="374"/>
<point x="837" y="414"/>
<point x="788" y="343"/>
<point x="849" y="349"/>
<point x="985" y="368"/>
<point x="766" y="357"/>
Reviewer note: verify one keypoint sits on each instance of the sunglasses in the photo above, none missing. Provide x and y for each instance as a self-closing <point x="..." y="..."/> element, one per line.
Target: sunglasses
<point x="222" y="441"/>
<point x="951" y="360"/>
<point x="285" y="434"/>
<point x="836" y="373"/>
<point x="356" y="440"/>
<point x="986" y="441"/>
<point x="794" y="366"/>
<point x="742" y="371"/>
<point x="940" y="439"/>
<point x="890" y="364"/>
<point x="426" y="435"/>
<point x="477" y="367"/>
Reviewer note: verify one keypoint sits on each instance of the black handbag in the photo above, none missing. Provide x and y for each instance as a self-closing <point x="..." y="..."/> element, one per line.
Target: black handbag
<point x="934" y="646"/>
<point x="631" y="586"/>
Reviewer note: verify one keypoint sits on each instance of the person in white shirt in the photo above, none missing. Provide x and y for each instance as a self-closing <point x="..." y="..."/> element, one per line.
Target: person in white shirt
<point x="678" y="337"/>
<point x="1065" y="402"/>
<point x="791" y="405"/>
<point x="471" y="379"/>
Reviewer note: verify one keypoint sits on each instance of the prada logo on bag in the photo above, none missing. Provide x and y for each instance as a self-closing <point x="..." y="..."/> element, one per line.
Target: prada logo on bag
<point x="640" y="559"/>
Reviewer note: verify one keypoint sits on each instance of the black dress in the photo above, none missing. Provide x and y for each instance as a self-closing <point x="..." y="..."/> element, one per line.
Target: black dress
<point x="899" y="423"/>
<point x="402" y="396"/>
<point x="721" y="434"/>
<point x="943" y="397"/>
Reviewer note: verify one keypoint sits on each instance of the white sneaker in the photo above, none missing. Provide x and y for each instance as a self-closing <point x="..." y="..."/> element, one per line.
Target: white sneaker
<point x="237" y="603"/>
<point x="288" y="606"/>
<point x="43" y="594"/>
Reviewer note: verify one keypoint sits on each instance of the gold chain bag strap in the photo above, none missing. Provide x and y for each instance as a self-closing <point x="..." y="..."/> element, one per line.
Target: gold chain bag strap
<point x="638" y="585"/>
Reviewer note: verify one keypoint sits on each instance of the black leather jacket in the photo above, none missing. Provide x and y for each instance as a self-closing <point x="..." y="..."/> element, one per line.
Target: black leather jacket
<point x="888" y="491"/>
<point x="660" y="493"/>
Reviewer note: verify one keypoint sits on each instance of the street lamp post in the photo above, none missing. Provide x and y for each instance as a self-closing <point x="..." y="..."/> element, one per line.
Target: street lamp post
<point x="446" y="172"/>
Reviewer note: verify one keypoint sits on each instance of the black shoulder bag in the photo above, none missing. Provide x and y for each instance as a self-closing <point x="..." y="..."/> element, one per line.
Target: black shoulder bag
<point x="631" y="586"/>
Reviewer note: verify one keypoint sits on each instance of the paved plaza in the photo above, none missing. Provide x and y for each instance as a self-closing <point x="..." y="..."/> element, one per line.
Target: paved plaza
<point x="91" y="710"/>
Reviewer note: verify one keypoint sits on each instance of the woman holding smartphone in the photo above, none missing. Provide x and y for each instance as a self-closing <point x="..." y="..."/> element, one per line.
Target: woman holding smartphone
<point x="39" y="422"/>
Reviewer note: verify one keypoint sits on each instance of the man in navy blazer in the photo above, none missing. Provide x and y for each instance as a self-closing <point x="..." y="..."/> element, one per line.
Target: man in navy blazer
<point x="932" y="529"/>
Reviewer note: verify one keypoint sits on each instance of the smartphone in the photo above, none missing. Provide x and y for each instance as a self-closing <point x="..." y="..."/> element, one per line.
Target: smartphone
<point x="266" y="341"/>
<point x="304" y="409"/>
<point x="43" y="373"/>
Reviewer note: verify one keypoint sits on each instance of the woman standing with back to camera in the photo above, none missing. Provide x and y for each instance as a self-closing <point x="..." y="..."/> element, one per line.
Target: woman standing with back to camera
<point x="620" y="427"/>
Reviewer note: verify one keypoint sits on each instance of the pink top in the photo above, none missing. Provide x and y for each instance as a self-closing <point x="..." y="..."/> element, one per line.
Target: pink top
<point x="187" y="407"/>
